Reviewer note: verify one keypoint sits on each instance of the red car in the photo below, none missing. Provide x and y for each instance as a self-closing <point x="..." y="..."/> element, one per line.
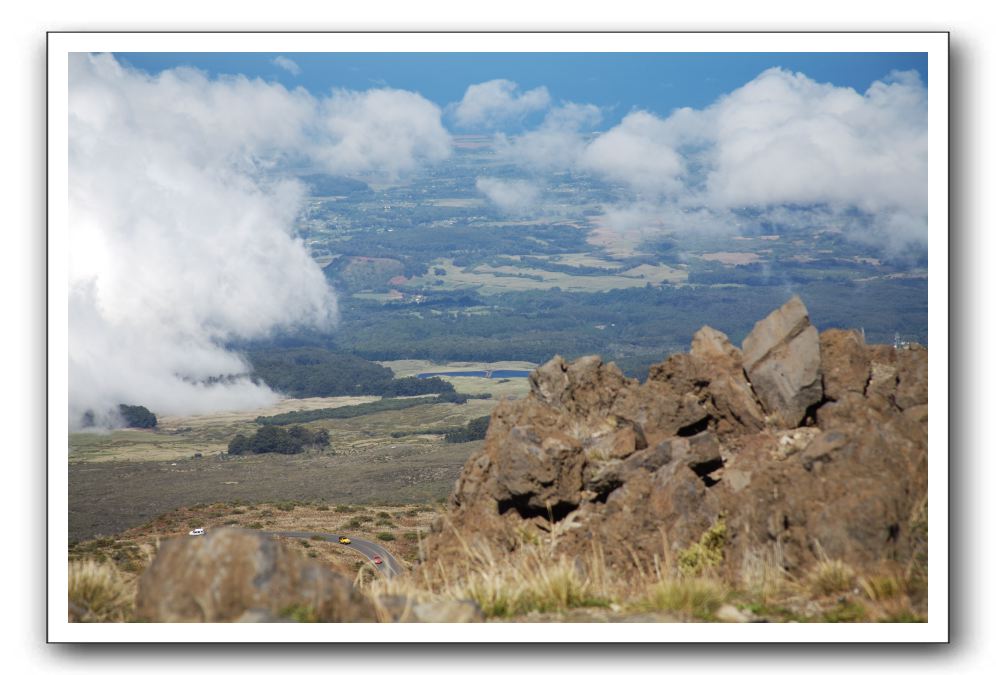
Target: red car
<point x="377" y="560"/>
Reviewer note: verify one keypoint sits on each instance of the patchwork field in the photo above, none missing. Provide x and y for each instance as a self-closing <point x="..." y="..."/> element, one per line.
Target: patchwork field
<point x="489" y="280"/>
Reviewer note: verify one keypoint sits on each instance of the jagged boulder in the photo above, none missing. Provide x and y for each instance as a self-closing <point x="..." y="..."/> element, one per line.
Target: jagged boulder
<point x="231" y="574"/>
<point x="643" y="471"/>
<point x="782" y="360"/>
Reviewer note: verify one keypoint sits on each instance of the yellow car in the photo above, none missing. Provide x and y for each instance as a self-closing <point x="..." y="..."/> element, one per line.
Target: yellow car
<point x="344" y="540"/>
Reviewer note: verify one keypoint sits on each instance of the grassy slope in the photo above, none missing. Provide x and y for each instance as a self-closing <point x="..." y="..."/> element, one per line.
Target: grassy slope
<point x="128" y="477"/>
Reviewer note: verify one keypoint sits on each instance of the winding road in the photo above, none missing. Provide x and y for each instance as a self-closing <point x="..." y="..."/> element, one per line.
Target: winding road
<point x="390" y="567"/>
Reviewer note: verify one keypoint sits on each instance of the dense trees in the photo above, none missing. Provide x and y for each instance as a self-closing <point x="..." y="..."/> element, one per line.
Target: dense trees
<point x="635" y="326"/>
<point x="474" y="430"/>
<point x="311" y="371"/>
<point x="137" y="416"/>
<point x="283" y="441"/>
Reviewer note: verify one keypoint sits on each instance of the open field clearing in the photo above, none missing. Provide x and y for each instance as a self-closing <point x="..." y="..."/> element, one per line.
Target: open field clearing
<point x="617" y="242"/>
<point x="489" y="280"/>
<point x="582" y="260"/>
<point x="108" y="497"/>
<point x="515" y="387"/>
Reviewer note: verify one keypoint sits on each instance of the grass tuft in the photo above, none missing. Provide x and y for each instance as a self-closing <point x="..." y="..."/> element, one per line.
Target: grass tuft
<point x="98" y="593"/>
<point x="831" y="576"/>
<point x="699" y="597"/>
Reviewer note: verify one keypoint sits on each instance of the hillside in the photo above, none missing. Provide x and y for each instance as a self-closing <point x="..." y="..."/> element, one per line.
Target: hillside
<point x="784" y="481"/>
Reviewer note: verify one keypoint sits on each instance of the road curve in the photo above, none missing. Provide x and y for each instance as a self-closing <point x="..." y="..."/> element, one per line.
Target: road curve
<point x="390" y="567"/>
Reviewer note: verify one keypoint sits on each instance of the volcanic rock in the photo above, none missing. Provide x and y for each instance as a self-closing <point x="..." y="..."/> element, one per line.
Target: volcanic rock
<point x="231" y="574"/>
<point x="782" y="360"/>
<point x="642" y="471"/>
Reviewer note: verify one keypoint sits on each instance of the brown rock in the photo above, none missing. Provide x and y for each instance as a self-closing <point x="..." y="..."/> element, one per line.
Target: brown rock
<point x="911" y="389"/>
<point x="231" y="574"/>
<point x="845" y="363"/>
<point x="729" y="395"/>
<point x="782" y="360"/>
<point x="643" y="471"/>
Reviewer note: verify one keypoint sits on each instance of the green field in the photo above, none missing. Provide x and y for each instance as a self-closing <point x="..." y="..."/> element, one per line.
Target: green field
<point x="489" y="280"/>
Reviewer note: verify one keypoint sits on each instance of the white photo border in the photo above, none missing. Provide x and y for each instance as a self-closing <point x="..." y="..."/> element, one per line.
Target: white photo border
<point x="934" y="44"/>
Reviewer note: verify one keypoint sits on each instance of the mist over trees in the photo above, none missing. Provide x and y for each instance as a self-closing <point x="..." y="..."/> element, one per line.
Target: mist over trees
<point x="137" y="416"/>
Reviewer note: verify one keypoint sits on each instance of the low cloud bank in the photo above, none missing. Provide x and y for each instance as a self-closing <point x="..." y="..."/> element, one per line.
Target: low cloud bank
<point x="830" y="155"/>
<point x="181" y="235"/>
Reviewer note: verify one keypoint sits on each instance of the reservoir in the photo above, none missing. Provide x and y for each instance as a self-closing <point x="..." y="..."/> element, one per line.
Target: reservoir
<point x="490" y="374"/>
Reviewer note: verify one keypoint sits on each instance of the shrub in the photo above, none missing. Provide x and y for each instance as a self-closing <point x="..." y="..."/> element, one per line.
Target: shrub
<point x="300" y="613"/>
<point x="706" y="553"/>
<point x="386" y="536"/>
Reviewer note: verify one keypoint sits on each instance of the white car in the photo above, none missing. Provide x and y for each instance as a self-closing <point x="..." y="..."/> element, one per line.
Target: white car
<point x="198" y="532"/>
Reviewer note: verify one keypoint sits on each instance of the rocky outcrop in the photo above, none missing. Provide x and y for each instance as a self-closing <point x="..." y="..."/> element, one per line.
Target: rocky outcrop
<point x="801" y="446"/>
<point x="782" y="361"/>
<point x="237" y="575"/>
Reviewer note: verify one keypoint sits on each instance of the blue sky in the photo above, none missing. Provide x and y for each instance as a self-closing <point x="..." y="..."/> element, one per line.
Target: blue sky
<point x="616" y="82"/>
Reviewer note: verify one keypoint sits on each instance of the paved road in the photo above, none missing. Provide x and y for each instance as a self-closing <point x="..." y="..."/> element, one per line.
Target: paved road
<point x="390" y="567"/>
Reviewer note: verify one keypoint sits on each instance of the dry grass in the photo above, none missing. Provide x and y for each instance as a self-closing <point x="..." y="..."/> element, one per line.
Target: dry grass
<point x="98" y="592"/>
<point x="697" y="597"/>
<point x="536" y="581"/>
<point x="831" y="576"/>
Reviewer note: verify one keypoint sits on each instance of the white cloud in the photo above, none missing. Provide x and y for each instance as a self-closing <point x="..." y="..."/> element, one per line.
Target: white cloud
<point x="780" y="140"/>
<point x="386" y="131"/>
<point x="637" y="153"/>
<point x="490" y="103"/>
<point x="287" y="64"/>
<point x="181" y="238"/>
<point x="557" y="143"/>
<point x="784" y="138"/>
<point x="514" y="196"/>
